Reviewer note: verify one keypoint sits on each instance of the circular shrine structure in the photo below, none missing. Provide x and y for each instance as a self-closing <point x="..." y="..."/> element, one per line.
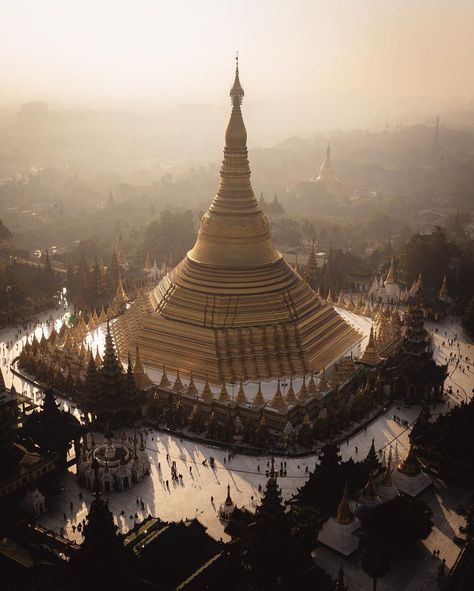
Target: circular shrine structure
<point x="112" y="464"/>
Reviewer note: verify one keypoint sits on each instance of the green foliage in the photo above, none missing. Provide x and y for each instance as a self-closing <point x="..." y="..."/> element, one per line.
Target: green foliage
<point x="428" y="254"/>
<point x="286" y="231"/>
<point x="174" y="233"/>
<point x="399" y="523"/>
<point x="375" y="562"/>
<point x="323" y="489"/>
<point x="447" y="445"/>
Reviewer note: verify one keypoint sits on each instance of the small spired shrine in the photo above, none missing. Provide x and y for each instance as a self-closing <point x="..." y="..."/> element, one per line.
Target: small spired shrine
<point x="386" y="490"/>
<point x="114" y="464"/>
<point x="369" y="497"/>
<point x="338" y="532"/>
<point x="388" y="290"/>
<point x="370" y="355"/>
<point x="227" y="507"/>
<point x="408" y="476"/>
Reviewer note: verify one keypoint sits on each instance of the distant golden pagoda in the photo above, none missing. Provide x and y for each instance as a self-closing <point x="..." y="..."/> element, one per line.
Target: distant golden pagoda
<point x="233" y="309"/>
<point x="327" y="172"/>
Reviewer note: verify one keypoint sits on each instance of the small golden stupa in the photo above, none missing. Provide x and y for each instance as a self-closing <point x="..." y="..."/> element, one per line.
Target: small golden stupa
<point x="233" y="309"/>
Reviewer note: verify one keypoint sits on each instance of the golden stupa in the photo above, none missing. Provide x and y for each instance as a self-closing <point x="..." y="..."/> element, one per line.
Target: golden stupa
<point x="233" y="309"/>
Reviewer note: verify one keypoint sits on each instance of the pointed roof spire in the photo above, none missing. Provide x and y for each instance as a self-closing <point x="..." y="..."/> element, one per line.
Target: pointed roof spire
<point x="259" y="399"/>
<point x="390" y="279"/>
<point x="303" y="393"/>
<point x="327" y="171"/>
<point x="410" y="465"/>
<point x="164" y="382"/>
<point x="241" y="398"/>
<point x="344" y="512"/>
<point x="141" y="378"/>
<point x="369" y="489"/>
<point x="340" y="301"/>
<point x="191" y="390"/>
<point x="443" y="292"/>
<point x="370" y="355"/>
<point x="278" y="401"/>
<point x="311" y="385"/>
<point x="207" y="392"/>
<point x="291" y="396"/>
<point x="223" y="394"/>
<point x="98" y="358"/>
<point x="237" y="92"/>
<point x="323" y="383"/>
<point x="228" y="502"/>
<point x="178" y="384"/>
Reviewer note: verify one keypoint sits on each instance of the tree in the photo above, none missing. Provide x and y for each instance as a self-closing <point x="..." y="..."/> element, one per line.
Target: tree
<point x="428" y="254"/>
<point x="375" y="562"/>
<point x="173" y="233"/>
<point x="399" y="523"/>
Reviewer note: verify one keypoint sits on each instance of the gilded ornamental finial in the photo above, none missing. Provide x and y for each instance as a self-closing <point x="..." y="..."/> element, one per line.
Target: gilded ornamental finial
<point x="237" y="92"/>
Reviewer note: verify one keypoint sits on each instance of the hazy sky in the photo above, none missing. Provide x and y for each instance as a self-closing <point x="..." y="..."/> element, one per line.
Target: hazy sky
<point x="89" y="50"/>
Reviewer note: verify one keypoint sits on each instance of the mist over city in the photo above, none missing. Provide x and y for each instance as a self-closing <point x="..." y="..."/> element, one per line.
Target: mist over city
<point x="237" y="295"/>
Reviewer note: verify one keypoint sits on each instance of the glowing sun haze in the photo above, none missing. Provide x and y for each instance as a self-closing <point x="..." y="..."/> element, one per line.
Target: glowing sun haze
<point x="182" y="50"/>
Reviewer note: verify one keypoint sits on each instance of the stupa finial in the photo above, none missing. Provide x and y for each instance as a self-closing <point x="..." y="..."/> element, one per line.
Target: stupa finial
<point x="237" y="92"/>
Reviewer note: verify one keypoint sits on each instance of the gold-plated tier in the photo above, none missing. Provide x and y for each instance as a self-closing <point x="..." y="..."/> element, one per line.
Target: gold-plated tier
<point x="233" y="308"/>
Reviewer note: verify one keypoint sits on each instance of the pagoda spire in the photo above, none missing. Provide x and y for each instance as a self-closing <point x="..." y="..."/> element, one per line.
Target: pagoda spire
<point x="259" y="399"/>
<point x="329" y="299"/>
<point x="327" y="171"/>
<point x="241" y="398"/>
<point x="344" y="511"/>
<point x="370" y="355"/>
<point x="234" y="232"/>
<point x="164" y="382"/>
<point x="390" y="279"/>
<point x="229" y="502"/>
<point x="110" y="356"/>
<point x="443" y="292"/>
<point x="371" y="460"/>
<point x="100" y="531"/>
<point x="50" y="407"/>
<point x="278" y="401"/>
<point x="271" y="509"/>
<point x="223" y="394"/>
<point x="369" y="491"/>
<point x="110" y="376"/>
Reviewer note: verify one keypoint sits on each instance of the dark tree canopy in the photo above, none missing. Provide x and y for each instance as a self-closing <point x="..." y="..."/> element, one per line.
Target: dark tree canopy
<point x="428" y="254"/>
<point x="399" y="523"/>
